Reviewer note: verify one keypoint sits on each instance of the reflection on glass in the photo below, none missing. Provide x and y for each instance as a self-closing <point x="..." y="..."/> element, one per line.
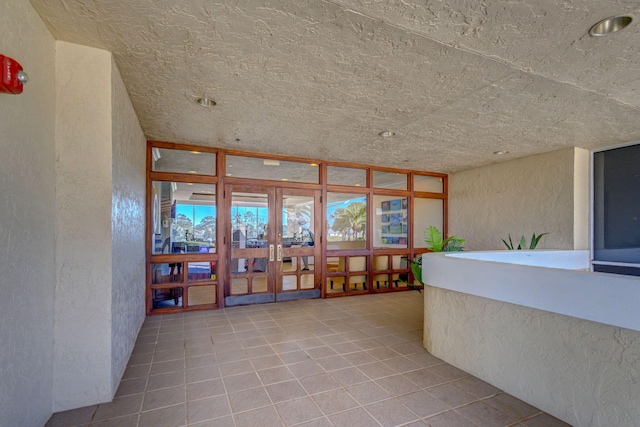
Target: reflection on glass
<point x="391" y="223"/>
<point x="165" y="281"/>
<point x="347" y="221"/>
<point x="381" y="281"/>
<point x="239" y="286"/>
<point x="298" y="221"/>
<point x="259" y="265"/>
<point x="275" y="170"/>
<point x="202" y="271"/>
<point x="346" y="176"/>
<point x="259" y="284"/>
<point x="166" y="273"/>
<point x="426" y="212"/>
<point x="183" y="161"/>
<point x="390" y="180"/>
<point x="289" y="283"/>
<point x="200" y="295"/>
<point x="336" y="285"/>
<point x="249" y="219"/>
<point x="431" y="184"/>
<point x="184" y="217"/>
<point x="307" y="281"/>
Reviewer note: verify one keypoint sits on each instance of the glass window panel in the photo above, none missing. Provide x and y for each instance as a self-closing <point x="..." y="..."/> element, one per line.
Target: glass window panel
<point x="357" y="263"/>
<point x="358" y="283"/>
<point x="239" y="265"/>
<point x="390" y="222"/>
<point x="390" y="180"/>
<point x="400" y="262"/>
<point x="289" y="283"/>
<point x="276" y="170"/>
<point x="166" y="273"/>
<point x="183" y="217"/>
<point x="249" y="219"/>
<point x="183" y="161"/>
<point x="202" y="271"/>
<point x="426" y="212"/>
<point x="200" y="295"/>
<point x="239" y="285"/>
<point x="381" y="262"/>
<point x="430" y="184"/>
<point x="259" y="284"/>
<point x="166" y="297"/>
<point x="346" y="176"/>
<point x="307" y="281"/>
<point x="259" y="265"/>
<point x="336" y="264"/>
<point x="381" y="281"/>
<point x="336" y="285"/>
<point x="400" y="280"/>
<point x="347" y="221"/>
<point x="290" y="264"/>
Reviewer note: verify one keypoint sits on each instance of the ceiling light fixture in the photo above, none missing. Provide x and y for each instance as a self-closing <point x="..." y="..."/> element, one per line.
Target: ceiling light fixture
<point x="313" y="164"/>
<point x="501" y="152"/>
<point x="193" y="171"/>
<point x="189" y="183"/>
<point x="270" y="162"/>
<point x="387" y="134"/>
<point x="610" y="25"/>
<point x="206" y="102"/>
<point x="284" y="179"/>
<point x="196" y="152"/>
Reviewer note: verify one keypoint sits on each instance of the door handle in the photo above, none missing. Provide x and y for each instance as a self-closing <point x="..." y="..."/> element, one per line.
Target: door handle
<point x="270" y="252"/>
<point x="279" y="252"/>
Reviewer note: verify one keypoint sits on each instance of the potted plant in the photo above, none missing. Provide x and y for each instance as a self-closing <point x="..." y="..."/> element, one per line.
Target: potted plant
<point x="523" y="243"/>
<point x="435" y="243"/>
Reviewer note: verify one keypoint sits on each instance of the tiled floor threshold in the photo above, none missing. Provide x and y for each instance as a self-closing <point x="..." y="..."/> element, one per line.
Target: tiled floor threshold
<point x="355" y="361"/>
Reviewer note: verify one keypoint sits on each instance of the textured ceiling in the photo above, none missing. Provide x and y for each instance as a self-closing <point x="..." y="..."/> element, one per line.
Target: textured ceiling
<point x="455" y="80"/>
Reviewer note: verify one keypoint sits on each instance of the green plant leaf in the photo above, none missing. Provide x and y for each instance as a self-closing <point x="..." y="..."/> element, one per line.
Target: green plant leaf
<point x="433" y="239"/>
<point x="535" y="240"/>
<point x="523" y="243"/>
<point x="507" y="245"/>
<point x="416" y="269"/>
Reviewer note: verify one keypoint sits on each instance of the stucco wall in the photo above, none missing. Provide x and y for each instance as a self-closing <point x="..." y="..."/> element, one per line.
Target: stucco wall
<point x="535" y="194"/>
<point x="83" y="227"/>
<point x="583" y="372"/>
<point x="128" y="231"/>
<point x="27" y="214"/>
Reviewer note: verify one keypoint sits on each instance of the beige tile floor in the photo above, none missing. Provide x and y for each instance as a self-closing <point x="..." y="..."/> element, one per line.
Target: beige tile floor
<point x="355" y="361"/>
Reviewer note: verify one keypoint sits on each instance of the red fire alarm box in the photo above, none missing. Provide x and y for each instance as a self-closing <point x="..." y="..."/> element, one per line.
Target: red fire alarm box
<point x="13" y="77"/>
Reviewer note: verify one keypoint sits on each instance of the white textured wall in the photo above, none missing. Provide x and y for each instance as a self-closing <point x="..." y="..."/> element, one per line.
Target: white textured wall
<point x="128" y="227"/>
<point x="82" y="362"/>
<point x="27" y="214"/>
<point x="524" y="196"/>
<point x="585" y="373"/>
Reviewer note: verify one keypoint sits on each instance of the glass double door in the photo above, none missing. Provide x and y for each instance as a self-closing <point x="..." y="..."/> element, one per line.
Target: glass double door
<point x="273" y="248"/>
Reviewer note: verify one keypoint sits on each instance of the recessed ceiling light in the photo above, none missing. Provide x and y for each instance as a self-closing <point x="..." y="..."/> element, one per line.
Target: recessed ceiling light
<point x="357" y="185"/>
<point x="196" y="152"/>
<point x="189" y="183"/>
<point x="313" y="164"/>
<point x="387" y="134"/>
<point x="501" y="152"/>
<point x="193" y="171"/>
<point x="228" y="174"/>
<point x="284" y="179"/>
<point x="206" y="102"/>
<point x="610" y="25"/>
